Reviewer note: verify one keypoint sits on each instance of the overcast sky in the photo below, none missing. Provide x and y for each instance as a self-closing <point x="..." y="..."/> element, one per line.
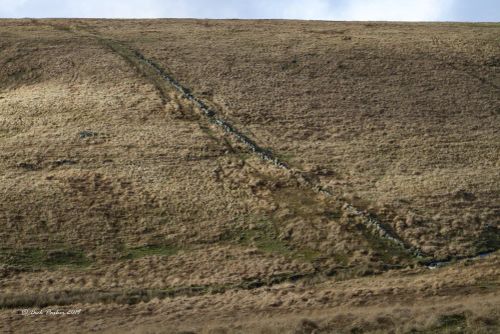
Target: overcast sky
<point x="381" y="10"/>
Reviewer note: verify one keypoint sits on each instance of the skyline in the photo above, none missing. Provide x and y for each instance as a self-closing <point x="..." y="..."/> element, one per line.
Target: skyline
<point x="335" y="10"/>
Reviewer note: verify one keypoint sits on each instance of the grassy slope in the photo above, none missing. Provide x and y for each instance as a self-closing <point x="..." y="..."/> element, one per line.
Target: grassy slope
<point x="112" y="182"/>
<point x="403" y="118"/>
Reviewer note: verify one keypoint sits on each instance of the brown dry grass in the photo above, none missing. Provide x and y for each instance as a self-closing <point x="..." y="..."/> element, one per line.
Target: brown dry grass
<point x="404" y="117"/>
<point x="115" y="190"/>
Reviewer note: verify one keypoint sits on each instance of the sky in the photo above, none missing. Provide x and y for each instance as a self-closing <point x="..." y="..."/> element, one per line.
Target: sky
<point x="335" y="10"/>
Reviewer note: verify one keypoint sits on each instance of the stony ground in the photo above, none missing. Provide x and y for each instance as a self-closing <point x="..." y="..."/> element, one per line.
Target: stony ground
<point x="120" y="197"/>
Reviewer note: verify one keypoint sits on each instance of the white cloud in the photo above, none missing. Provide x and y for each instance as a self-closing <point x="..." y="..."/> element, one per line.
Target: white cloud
<point x="369" y="10"/>
<point x="97" y="8"/>
<point x="117" y="8"/>
<point x="374" y="10"/>
<point x="309" y="10"/>
<point x="10" y="7"/>
<point x="396" y="10"/>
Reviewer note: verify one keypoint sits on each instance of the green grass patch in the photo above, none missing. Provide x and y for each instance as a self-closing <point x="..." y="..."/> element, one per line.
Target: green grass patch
<point x="341" y="258"/>
<point x="286" y="156"/>
<point x="333" y="214"/>
<point x="243" y="156"/>
<point x="306" y="254"/>
<point x="272" y="246"/>
<point x="149" y="250"/>
<point x="447" y="324"/>
<point x="211" y="133"/>
<point x="385" y="249"/>
<point x="302" y="203"/>
<point x="62" y="27"/>
<point x="488" y="241"/>
<point x="35" y="258"/>
<point x="264" y="235"/>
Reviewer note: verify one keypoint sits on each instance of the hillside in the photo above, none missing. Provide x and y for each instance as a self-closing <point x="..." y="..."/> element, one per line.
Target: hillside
<point x="249" y="176"/>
